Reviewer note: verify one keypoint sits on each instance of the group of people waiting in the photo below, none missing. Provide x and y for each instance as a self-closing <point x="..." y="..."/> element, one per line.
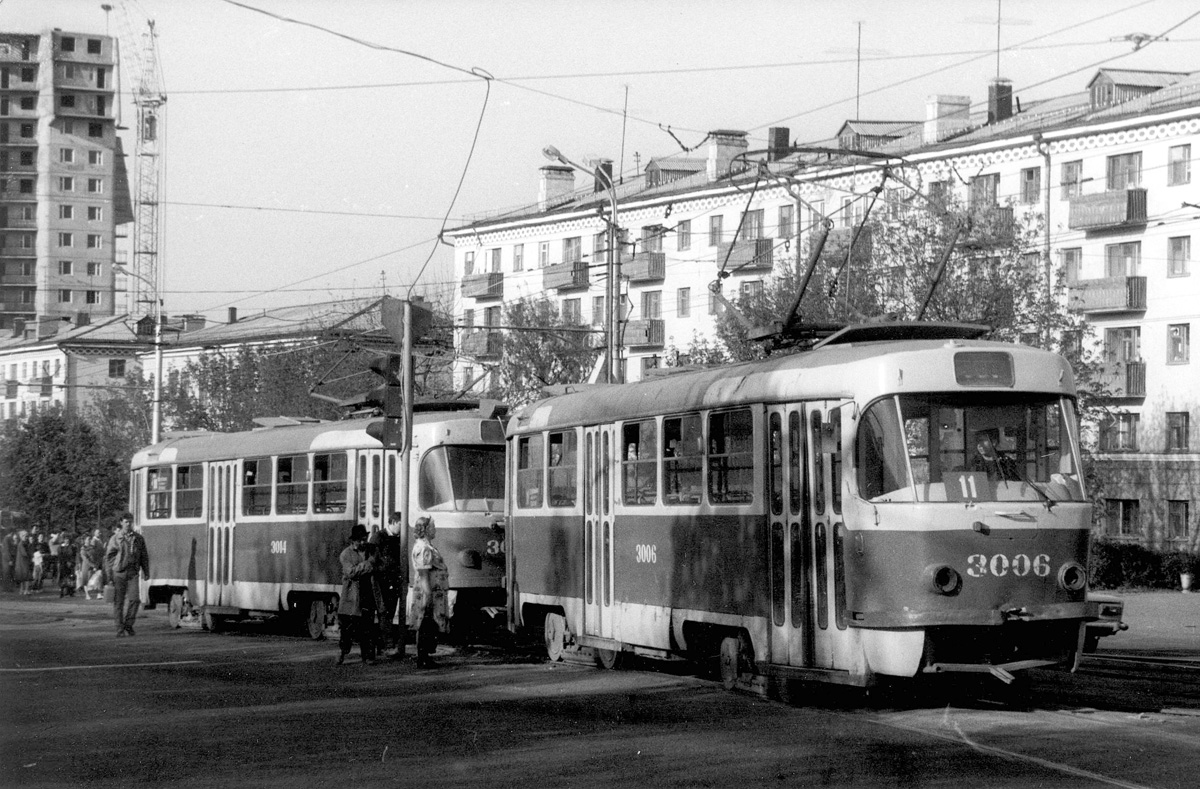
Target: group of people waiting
<point x="69" y="561"/>
<point x="374" y="580"/>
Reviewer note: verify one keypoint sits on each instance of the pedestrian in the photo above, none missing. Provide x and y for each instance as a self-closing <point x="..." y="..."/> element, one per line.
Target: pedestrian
<point x="360" y="598"/>
<point x="8" y="547"/>
<point x="39" y="566"/>
<point x="125" y="557"/>
<point x="90" y="577"/>
<point x="66" y="567"/>
<point x="23" y="562"/>
<point x="427" y="613"/>
<point x="52" y="566"/>
<point x="391" y="572"/>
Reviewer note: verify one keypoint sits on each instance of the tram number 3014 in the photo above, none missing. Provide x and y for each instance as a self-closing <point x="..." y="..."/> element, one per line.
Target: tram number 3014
<point x="278" y="546"/>
<point x="646" y="554"/>
<point x="979" y="565"/>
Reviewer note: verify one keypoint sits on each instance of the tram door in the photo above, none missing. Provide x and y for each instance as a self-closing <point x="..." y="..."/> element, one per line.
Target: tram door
<point x="222" y="520"/>
<point x="597" y="532"/>
<point x="792" y="614"/>
<point x="824" y="532"/>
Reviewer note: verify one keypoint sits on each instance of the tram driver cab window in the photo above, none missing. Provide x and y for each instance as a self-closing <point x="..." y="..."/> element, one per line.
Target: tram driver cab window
<point x="529" y="471"/>
<point x="563" y="453"/>
<point x="639" y="463"/>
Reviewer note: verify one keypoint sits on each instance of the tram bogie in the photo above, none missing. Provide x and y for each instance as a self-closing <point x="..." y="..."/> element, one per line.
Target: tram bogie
<point x="875" y="509"/>
<point x="251" y="524"/>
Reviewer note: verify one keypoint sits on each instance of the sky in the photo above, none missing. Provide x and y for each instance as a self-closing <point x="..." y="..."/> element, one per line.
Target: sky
<point x="314" y="149"/>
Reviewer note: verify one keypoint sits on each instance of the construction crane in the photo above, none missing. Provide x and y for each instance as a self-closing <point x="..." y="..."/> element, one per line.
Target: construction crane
<point x="149" y="99"/>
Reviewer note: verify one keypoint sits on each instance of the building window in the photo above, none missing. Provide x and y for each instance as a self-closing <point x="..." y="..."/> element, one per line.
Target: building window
<point x="598" y="316"/>
<point x="519" y="257"/>
<point x="92" y="297"/>
<point x="1119" y="433"/>
<point x="752" y="224"/>
<point x="94" y="269"/>
<point x="543" y="254"/>
<point x="64" y="296"/>
<point x="1072" y="259"/>
<point x="116" y="368"/>
<point x="847" y="220"/>
<point x="1177" y="431"/>
<point x="1122" y="517"/>
<point x="96" y="158"/>
<point x="1124" y="171"/>
<point x="468" y="318"/>
<point x="572" y="250"/>
<point x="66" y="212"/>
<point x="66" y="240"/>
<point x="66" y="155"/>
<point x="29" y="103"/>
<point x="96" y="186"/>
<point x="468" y="377"/>
<point x="95" y="213"/>
<point x="94" y="241"/>
<point x="572" y="312"/>
<point x="491" y="316"/>
<point x="1177" y="520"/>
<point x="1179" y="253"/>
<point x="652" y="236"/>
<point x="652" y="304"/>
<point x="1179" y="165"/>
<point x="1123" y="344"/>
<point x="66" y="183"/>
<point x="67" y="102"/>
<point x="93" y="46"/>
<point x="787" y="221"/>
<point x="683" y="302"/>
<point x="65" y="268"/>
<point x="27" y="130"/>
<point x="1031" y="185"/>
<point x="1122" y="260"/>
<point x="715" y="230"/>
<point x="984" y="190"/>
<point x="683" y="235"/>
<point x="752" y="289"/>
<point x="1179" y="343"/>
<point x="95" y="129"/>
<point x="1071" y="178"/>
<point x="25" y="186"/>
<point x="494" y="258"/>
<point x="468" y="263"/>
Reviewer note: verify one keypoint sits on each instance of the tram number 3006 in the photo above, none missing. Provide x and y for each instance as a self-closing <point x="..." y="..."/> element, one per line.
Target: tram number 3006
<point x="646" y="554"/>
<point x="979" y="565"/>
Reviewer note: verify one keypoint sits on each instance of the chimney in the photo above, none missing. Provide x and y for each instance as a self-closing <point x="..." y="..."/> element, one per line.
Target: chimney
<point x="778" y="143"/>
<point x="946" y="116"/>
<point x="557" y="183"/>
<point x="604" y="166"/>
<point x="192" y="322"/>
<point x="723" y="146"/>
<point x="999" y="100"/>
<point x="232" y="315"/>
<point x="83" y="319"/>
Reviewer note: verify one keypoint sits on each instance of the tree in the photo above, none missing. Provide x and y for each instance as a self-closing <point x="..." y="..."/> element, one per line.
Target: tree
<point x="59" y="472"/>
<point x="539" y="349"/>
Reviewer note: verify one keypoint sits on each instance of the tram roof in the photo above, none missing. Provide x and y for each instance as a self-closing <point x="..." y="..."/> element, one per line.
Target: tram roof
<point x="831" y="372"/>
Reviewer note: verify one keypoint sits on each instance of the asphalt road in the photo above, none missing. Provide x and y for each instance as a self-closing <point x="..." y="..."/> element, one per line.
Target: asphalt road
<point x="259" y="707"/>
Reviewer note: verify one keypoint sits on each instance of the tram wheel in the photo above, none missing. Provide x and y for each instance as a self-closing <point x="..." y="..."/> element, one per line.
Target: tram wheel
<point x="211" y="622"/>
<point x="784" y="689"/>
<point x="175" y="609"/>
<point x="555" y="637"/>
<point x="314" y="622"/>
<point x="730" y="662"/>
<point x="608" y="659"/>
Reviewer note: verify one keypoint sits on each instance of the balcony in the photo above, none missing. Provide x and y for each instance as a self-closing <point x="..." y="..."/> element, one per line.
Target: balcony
<point x="645" y="267"/>
<point x="18" y="279"/>
<point x="1110" y="294"/>
<point x="756" y="254"/>
<point x="989" y="226"/>
<point x="1108" y="210"/>
<point x="483" y="286"/>
<point x="481" y="343"/>
<point x="648" y="332"/>
<point x="565" y="276"/>
<point x="1124" y="379"/>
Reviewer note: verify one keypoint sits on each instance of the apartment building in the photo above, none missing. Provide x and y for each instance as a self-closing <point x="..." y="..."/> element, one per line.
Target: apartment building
<point x="63" y="186"/>
<point x="1107" y="171"/>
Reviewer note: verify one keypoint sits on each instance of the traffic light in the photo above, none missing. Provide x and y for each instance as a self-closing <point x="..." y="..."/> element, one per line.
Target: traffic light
<point x="390" y="432"/>
<point x="391" y="314"/>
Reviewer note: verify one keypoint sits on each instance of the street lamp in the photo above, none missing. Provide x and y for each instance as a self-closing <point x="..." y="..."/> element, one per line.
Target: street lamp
<point x="612" y="329"/>
<point x="156" y="403"/>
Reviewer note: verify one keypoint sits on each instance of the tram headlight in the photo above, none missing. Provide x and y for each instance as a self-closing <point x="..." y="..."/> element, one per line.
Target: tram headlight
<point x="1072" y="576"/>
<point x="943" y="579"/>
<point x="470" y="559"/>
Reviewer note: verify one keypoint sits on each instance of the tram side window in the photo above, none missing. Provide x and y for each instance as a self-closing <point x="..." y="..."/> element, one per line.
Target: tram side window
<point x="879" y="460"/>
<point x="639" y="463"/>
<point x="731" y="457"/>
<point x="256" y="486"/>
<point x="158" y="492"/>
<point x="291" y="485"/>
<point x="329" y="482"/>
<point x="529" y="471"/>
<point x="683" y="459"/>
<point x="189" y="491"/>
<point x="564" y="452"/>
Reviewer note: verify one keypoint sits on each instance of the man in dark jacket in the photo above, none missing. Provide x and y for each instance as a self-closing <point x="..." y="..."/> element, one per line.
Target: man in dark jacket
<point x="360" y="597"/>
<point x="125" y="557"/>
<point x="391" y="570"/>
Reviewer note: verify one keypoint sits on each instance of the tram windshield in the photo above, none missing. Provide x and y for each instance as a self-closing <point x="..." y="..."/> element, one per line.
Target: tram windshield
<point x="462" y="479"/>
<point x="968" y="447"/>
